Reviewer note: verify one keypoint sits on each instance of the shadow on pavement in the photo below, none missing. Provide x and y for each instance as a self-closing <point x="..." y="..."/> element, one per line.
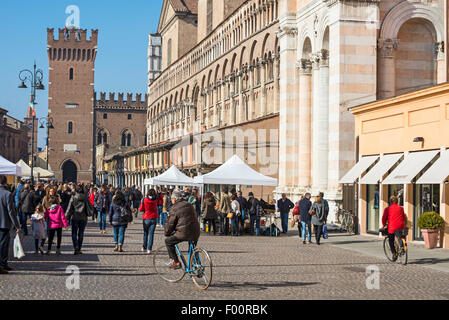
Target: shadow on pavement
<point x="258" y="286"/>
<point x="428" y="261"/>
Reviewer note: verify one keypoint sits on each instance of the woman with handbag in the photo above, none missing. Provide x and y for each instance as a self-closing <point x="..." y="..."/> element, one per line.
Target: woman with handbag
<point x="317" y="211"/>
<point x="236" y="216"/>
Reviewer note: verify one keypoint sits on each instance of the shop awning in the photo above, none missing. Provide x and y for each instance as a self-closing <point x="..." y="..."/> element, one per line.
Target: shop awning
<point x="381" y="168"/>
<point x="360" y="167"/>
<point x="410" y="167"/>
<point x="438" y="172"/>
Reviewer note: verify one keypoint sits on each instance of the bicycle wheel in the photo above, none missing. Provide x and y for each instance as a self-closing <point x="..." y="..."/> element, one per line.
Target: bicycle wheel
<point x="387" y="249"/>
<point x="162" y="261"/>
<point x="403" y="256"/>
<point x="201" y="264"/>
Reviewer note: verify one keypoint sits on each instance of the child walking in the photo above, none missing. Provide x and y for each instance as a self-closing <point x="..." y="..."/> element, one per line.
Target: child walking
<point x="38" y="229"/>
<point x="56" y="220"/>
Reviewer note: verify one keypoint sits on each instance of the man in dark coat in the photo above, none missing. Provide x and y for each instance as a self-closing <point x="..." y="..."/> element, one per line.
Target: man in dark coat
<point x="244" y="208"/>
<point x="305" y="217"/>
<point x="28" y="201"/>
<point x="284" y="206"/>
<point x="8" y="219"/>
<point x="254" y="216"/>
<point x="182" y="225"/>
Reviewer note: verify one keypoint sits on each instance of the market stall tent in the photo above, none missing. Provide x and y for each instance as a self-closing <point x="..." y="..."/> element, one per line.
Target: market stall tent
<point x="236" y="172"/>
<point x="37" y="172"/>
<point x="171" y="177"/>
<point x="9" y="168"/>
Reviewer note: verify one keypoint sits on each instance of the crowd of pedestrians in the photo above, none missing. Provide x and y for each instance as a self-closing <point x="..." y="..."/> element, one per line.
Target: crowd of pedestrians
<point x="52" y="208"/>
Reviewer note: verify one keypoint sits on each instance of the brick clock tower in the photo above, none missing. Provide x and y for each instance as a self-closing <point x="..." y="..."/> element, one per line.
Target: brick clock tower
<point x="70" y="103"/>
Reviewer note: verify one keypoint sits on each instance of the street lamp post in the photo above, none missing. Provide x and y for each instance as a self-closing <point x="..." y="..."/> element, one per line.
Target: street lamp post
<point x="48" y="122"/>
<point x="35" y="78"/>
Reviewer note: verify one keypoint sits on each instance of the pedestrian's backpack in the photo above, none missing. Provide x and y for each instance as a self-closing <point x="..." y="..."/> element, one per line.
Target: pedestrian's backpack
<point x="126" y="214"/>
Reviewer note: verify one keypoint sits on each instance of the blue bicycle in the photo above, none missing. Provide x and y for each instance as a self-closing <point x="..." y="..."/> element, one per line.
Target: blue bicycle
<point x="198" y="267"/>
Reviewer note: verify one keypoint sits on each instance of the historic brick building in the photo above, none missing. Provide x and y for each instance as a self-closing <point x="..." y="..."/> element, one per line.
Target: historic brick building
<point x="220" y="74"/>
<point x="79" y="119"/>
<point x="13" y="138"/>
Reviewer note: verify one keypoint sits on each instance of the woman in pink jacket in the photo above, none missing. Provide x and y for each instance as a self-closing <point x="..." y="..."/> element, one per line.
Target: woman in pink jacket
<point x="56" y="221"/>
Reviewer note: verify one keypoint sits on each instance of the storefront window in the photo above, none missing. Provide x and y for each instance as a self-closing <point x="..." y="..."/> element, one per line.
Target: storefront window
<point x="372" y="209"/>
<point x="398" y="191"/>
<point x="426" y="198"/>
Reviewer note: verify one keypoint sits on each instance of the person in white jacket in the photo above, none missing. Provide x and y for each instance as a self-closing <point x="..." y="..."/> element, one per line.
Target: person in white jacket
<point x="237" y="215"/>
<point x="38" y="229"/>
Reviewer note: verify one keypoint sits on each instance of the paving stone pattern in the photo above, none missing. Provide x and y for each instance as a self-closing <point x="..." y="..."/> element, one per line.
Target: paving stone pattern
<point x="244" y="268"/>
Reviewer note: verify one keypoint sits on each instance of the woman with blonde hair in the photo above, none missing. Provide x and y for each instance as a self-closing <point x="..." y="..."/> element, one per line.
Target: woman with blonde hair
<point x="318" y="213"/>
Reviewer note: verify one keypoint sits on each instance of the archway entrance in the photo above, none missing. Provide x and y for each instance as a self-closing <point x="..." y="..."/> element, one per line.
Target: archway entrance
<point x="69" y="172"/>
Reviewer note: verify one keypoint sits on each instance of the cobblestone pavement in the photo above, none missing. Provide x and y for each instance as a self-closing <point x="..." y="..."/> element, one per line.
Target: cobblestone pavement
<point x="244" y="268"/>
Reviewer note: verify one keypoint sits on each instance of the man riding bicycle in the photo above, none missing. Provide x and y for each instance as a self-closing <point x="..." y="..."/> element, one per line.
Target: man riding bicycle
<point x="395" y="218"/>
<point x="182" y="225"/>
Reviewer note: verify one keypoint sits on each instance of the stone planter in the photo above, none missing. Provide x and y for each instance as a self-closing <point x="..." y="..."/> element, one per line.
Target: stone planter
<point x="430" y="237"/>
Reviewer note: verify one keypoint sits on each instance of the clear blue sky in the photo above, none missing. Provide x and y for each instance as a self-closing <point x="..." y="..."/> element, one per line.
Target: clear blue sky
<point x="121" y="64"/>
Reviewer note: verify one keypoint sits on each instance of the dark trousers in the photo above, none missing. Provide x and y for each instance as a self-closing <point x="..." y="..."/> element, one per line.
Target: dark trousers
<point x="224" y="223"/>
<point x="36" y="243"/>
<point x="299" y="228"/>
<point x="4" y="248"/>
<point x="254" y="219"/>
<point x="51" y="236"/>
<point x="210" y="224"/>
<point x="78" y="228"/>
<point x="284" y="221"/>
<point x="318" y="232"/>
<point x="170" y="242"/>
<point x="391" y="237"/>
<point x="23" y="222"/>
<point x="242" y="222"/>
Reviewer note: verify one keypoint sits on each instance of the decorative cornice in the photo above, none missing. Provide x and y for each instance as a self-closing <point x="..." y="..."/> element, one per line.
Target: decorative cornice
<point x="291" y="31"/>
<point x="330" y="3"/>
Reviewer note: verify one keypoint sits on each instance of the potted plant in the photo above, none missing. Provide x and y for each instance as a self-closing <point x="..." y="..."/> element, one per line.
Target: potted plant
<point x="430" y="224"/>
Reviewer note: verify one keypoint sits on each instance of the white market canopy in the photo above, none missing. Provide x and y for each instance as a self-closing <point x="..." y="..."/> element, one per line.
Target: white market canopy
<point x="37" y="172"/>
<point x="236" y="172"/>
<point x="438" y="172"/>
<point x="9" y="168"/>
<point x="359" y="168"/>
<point x="171" y="177"/>
<point x="408" y="169"/>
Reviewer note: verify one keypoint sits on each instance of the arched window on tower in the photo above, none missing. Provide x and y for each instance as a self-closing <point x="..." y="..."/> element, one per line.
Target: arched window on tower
<point x="71" y="74"/>
<point x="70" y="127"/>
<point x="126" y="138"/>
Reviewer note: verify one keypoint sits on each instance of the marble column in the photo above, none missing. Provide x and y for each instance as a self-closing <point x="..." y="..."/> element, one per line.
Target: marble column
<point x="386" y="82"/>
<point x="323" y="122"/>
<point x="263" y="89"/>
<point x="305" y="120"/>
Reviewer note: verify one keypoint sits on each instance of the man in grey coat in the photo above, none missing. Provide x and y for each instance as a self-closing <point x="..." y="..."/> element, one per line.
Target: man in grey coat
<point x="8" y="219"/>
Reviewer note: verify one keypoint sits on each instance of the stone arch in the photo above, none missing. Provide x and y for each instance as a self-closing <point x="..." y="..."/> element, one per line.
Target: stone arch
<point x="233" y="60"/>
<point x="69" y="168"/>
<point x="253" y="49"/>
<point x="243" y="57"/>
<point x="404" y="11"/>
<point x="414" y="57"/>
<point x="265" y="47"/>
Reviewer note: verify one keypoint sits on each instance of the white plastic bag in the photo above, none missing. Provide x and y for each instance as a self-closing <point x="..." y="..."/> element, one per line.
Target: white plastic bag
<point x="18" y="250"/>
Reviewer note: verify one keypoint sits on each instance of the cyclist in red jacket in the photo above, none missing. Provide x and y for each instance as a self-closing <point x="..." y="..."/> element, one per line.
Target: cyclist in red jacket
<point x="395" y="218"/>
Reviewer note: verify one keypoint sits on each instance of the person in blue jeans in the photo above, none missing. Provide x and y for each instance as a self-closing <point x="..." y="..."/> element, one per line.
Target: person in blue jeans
<point x="306" y="218"/>
<point x="160" y="202"/>
<point x="118" y="202"/>
<point x="149" y="207"/>
<point x="102" y="204"/>
<point x="284" y="205"/>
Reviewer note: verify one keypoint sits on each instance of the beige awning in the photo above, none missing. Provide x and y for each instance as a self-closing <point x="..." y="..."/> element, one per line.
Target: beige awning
<point x="408" y="169"/>
<point x="438" y="172"/>
<point x="376" y="173"/>
<point x="359" y="168"/>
